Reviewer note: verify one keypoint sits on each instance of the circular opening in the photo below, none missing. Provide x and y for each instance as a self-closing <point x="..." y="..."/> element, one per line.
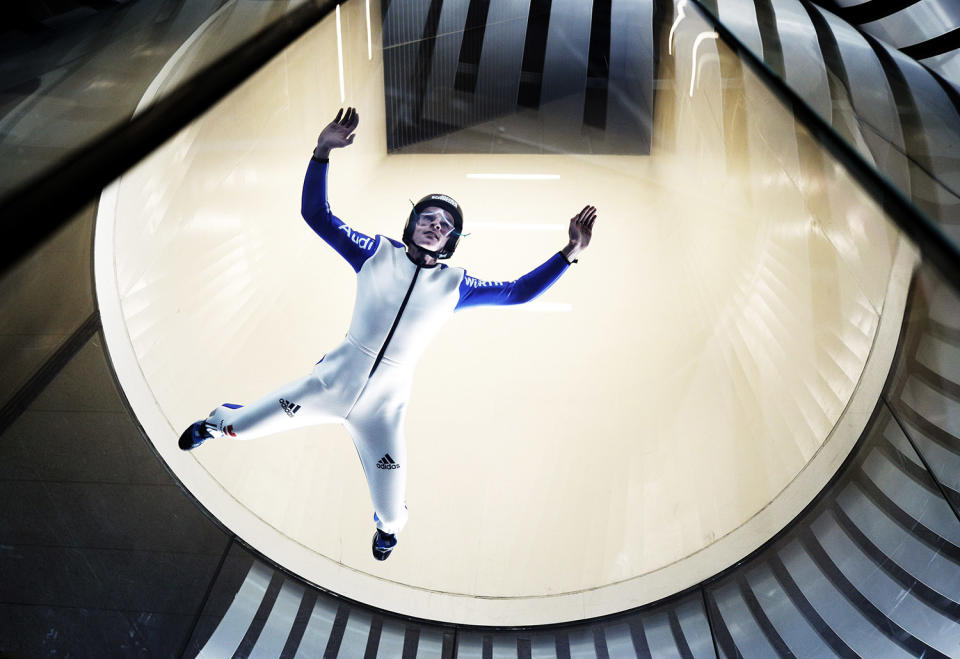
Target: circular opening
<point x="667" y="406"/>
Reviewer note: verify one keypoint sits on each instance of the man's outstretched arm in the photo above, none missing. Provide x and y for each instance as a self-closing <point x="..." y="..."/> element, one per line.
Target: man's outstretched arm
<point x="352" y="245"/>
<point x="475" y="291"/>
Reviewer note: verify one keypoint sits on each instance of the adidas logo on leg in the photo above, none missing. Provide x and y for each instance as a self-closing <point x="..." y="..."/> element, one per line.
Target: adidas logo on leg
<point x="386" y="462"/>
<point x="289" y="408"/>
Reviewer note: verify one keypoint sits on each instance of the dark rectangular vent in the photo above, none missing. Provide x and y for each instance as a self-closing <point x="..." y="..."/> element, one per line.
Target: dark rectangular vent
<point x="539" y="76"/>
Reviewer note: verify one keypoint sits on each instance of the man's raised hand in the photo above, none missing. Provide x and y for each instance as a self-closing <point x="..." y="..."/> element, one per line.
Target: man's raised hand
<point x="581" y="227"/>
<point x="338" y="133"/>
<point x="581" y="230"/>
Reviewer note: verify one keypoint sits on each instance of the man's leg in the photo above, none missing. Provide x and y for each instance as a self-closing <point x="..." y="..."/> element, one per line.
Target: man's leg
<point x="383" y="453"/>
<point x="304" y="402"/>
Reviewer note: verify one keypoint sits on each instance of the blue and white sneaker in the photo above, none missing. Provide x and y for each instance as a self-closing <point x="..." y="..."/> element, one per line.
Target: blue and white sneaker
<point x="201" y="431"/>
<point x="194" y="436"/>
<point x="383" y="544"/>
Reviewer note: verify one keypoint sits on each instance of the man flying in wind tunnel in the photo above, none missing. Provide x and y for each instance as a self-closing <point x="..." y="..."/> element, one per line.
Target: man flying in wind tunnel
<point x="403" y="297"/>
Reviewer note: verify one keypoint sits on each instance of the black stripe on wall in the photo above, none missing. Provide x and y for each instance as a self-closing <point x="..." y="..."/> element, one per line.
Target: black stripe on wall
<point x="598" y="66"/>
<point x="868" y="609"/>
<point x="933" y="47"/>
<point x="600" y="643"/>
<point x="682" y="646"/>
<point x="930" y="430"/>
<point x="952" y="92"/>
<point x="411" y="641"/>
<point x="639" y="638"/>
<point x="952" y="497"/>
<point x="373" y="638"/>
<point x="948" y="388"/>
<point x="802" y="604"/>
<point x="336" y="633"/>
<point x="22" y="399"/>
<point x="428" y="43"/>
<point x="907" y="581"/>
<point x="449" y="649"/>
<point x="913" y="471"/>
<point x="770" y="37"/>
<point x="721" y="634"/>
<point x="906" y="521"/>
<point x="941" y="331"/>
<point x="873" y="10"/>
<point x="760" y="616"/>
<point x="922" y="185"/>
<point x="260" y="618"/>
<point x="471" y="47"/>
<point x="300" y="622"/>
<point x="839" y="82"/>
<point x="534" y="53"/>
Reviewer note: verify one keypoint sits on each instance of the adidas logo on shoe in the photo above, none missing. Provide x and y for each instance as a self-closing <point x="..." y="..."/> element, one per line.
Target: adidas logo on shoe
<point x="289" y="408"/>
<point x="386" y="462"/>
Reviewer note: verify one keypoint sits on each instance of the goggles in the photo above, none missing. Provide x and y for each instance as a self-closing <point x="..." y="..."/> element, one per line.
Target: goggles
<point x="432" y="216"/>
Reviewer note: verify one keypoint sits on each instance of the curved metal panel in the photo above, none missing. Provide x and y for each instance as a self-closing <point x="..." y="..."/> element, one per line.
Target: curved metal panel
<point x="740" y="16"/>
<point x="802" y="59"/>
<point x="853" y="3"/>
<point x="852" y="577"/>
<point x="920" y="22"/>
<point x="937" y="145"/>
<point x="947" y="65"/>
<point x="872" y="101"/>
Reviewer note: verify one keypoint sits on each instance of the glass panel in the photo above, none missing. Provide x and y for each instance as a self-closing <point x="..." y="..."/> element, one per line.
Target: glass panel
<point x="88" y="562"/>
<point x="43" y="300"/>
<point x="900" y="118"/>
<point x="70" y="72"/>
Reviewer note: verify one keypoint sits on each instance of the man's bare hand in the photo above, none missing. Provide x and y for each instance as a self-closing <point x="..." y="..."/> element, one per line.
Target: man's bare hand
<point x="581" y="227"/>
<point x="338" y="133"/>
<point x="581" y="230"/>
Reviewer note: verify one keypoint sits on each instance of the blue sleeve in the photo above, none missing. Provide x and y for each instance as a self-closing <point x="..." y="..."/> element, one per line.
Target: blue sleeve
<point x="474" y="292"/>
<point x="352" y="245"/>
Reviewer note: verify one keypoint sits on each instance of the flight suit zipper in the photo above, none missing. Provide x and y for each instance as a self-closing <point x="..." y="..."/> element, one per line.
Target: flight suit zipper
<point x="396" y="321"/>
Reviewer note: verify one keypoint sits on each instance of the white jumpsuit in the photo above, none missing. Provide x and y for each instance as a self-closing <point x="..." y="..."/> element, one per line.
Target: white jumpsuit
<point x="364" y="383"/>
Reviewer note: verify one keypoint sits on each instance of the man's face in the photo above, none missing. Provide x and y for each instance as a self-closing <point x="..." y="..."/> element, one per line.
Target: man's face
<point x="432" y="228"/>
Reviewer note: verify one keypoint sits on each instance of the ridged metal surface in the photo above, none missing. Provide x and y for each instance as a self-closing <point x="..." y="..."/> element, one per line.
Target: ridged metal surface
<point x="494" y="76"/>
<point x="897" y="113"/>
<point x="928" y="30"/>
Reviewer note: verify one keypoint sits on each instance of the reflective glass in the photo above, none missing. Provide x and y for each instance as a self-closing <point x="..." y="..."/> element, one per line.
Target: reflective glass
<point x="69" y="72"/>
<point x="893" y="111"/>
